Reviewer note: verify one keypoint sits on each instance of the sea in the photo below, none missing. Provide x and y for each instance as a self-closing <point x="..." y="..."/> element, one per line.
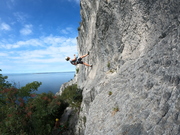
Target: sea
<point x="51" y="81"/>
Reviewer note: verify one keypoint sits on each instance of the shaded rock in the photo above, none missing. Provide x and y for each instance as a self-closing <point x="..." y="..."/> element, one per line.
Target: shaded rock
<point x="136" y="129"/>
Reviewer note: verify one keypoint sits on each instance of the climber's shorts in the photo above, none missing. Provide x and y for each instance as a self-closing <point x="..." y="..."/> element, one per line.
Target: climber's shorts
<point x="79" y="61"/>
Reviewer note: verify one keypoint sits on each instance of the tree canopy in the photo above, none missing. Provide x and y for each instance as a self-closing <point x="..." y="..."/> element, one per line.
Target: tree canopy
<point x="24" y="112"/>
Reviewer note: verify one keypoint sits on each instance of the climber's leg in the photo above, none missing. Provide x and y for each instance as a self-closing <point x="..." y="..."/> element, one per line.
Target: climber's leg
<point x="87" y="64"/>
<point x="85" y="55"/>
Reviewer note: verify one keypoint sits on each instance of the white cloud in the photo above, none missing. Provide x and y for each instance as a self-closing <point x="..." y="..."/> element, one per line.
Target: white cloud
<point x="26" y="30"/>
<point x="46" y="54"/>
<point x="42" y="42"/>
<point x="21" y="17"/>
<point x="56" y="41"/>
<point x="3" y="54"/>
<point x="31" y="42"/>
<point x="10" y="3"/>
<point x="59" y="49"/>
<point x="67" y="30"/>
<point x="5" y="26"/>
<point x="77" y="1"/>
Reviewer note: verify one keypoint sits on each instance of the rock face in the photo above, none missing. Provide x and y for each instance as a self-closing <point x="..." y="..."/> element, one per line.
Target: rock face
<point x="134" y="85"/>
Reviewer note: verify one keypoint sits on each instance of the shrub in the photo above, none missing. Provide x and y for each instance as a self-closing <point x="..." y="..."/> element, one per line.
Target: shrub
<point x="73" y="96"/>
<point x="110" y="93"/>
<point x="45" y="109"/>
<point x="111" y="71"/>
<point x="115" y="110"/>
<point x="77" y="70"/>
<point x="109" y="65"/>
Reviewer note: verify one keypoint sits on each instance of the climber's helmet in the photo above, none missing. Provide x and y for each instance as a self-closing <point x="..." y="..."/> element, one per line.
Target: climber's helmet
<point x="57" y="119"/>
<point x="67" y="58"/>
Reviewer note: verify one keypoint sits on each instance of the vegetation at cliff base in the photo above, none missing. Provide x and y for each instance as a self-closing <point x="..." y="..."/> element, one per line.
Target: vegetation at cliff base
<point x="73" y="96"/>
<point x="23" y="112"/>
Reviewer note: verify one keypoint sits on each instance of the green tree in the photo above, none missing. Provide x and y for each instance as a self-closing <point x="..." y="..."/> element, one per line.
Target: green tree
<point x="25" y="112"/>
<point x="13" y="102"/>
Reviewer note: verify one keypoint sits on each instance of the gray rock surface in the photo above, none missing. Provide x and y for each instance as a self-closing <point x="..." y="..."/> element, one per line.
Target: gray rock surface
<point x="135" y="51"/>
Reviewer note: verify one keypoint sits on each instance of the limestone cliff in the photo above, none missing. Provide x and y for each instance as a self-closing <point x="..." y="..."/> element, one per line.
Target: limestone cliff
<point x="134" y="85"/>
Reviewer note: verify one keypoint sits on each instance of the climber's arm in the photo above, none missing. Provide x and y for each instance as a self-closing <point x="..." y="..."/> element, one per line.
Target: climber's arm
<point x="74" y="58"/>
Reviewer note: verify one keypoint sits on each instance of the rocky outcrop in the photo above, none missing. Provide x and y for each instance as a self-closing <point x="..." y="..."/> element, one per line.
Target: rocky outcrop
<point x="63" y="86"/>
<point x="134" y="85"/>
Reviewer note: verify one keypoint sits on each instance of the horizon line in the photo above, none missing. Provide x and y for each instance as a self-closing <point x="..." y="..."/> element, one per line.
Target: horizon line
<point x="37" y="72"/>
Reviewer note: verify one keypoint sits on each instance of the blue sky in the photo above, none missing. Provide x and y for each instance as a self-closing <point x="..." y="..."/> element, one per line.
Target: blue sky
<point x="36" y="35"/>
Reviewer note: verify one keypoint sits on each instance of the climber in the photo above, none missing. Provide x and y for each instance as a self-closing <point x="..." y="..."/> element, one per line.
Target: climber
<point x="77" y="60"/>
<point x="57" y="123"/>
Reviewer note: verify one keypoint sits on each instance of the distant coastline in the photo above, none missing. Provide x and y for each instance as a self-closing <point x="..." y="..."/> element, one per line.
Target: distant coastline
<point x="39" y="73"/>
<point x="54" y="72"/>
